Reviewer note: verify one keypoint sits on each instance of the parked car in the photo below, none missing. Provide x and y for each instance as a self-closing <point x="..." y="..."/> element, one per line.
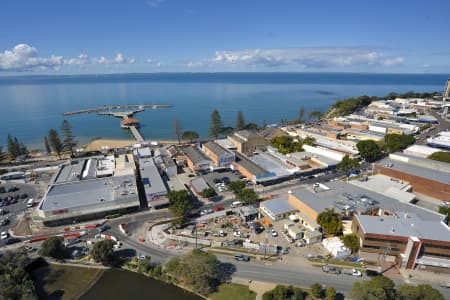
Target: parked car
<point x="23" y="196"/>
<point x="4" y="235"/>
<point x="219" y="208"/>
<point x="274" y="233"/>
<point x="331" y="269"/>
<point x="11" y="241"/>
<point x="4" y="222"/>
<point x="241" y="257"/>
<point x="372" y="273"/>
<point x="353" y="272"/>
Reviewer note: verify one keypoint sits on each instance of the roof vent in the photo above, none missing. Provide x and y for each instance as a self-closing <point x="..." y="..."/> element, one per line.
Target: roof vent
<point x="381" y="219"/>
<point x="392" y="229"/>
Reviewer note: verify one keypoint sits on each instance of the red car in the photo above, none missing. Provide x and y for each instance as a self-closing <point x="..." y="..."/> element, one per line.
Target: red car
<point x="219" y="208"/>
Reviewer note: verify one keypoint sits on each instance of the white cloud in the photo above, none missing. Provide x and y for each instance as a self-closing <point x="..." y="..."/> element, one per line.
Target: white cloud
<point x="25" y="58"/>
<point x="154" y="3"/>
<point x="308" y="58"/>
<point x="81" y="59"/>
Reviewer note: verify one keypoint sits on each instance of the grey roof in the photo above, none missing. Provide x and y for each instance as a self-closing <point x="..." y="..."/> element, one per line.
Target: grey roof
<point x="432" y="174"/>
<point x="88" y="193"/>
<point x="278" y="205"/>
<point x="321" y="158"/>
<point x="216" y="149"/>
<point x="245" y="133"/>
<point x="250" y="166"/>
<point x="144" y="152"/>
<point x="151" y="179"/>
<point x="341" y="194"/>
<point x="196" y="155"/>
<point x="269" y="132"/>
<point x="247" y="210"/>
<point x="405" y="225"/>
<point x="70" y="172"/>
<point x="199" y="184"/>
<point x="272" y="164"/>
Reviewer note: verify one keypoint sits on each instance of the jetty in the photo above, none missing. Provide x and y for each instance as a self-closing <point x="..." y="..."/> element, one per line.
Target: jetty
<point x="140" y="107"/>
<point x="129" y="110"/>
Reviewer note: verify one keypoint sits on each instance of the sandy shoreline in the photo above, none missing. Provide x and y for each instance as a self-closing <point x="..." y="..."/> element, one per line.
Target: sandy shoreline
<point x="96" y="145"/>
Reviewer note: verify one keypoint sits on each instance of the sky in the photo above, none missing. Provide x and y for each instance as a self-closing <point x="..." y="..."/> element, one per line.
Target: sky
<point x="118" y="36"/>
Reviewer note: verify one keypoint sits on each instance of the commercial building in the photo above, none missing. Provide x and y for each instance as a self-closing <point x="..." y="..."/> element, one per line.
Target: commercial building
<point x="441" y="140"/>
<point x="220" y="157"/>
<point x="154" y="186"/>
<point x="89" y="188"/>
<point x="247" y="141"/>
<point x="420" y="151"/>
<point x="251" y="170"/>
<point x="196" y="159"/>
<point x="198" y="185"/>
<point x="412" y="241"/>
<point x="426" y="176"/>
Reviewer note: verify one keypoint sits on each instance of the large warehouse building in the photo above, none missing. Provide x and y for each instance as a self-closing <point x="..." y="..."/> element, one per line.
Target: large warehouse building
<point x="89" y="188"/>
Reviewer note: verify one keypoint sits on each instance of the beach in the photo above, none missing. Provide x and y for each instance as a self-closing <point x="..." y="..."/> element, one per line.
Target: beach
<point x="96" y="145"/>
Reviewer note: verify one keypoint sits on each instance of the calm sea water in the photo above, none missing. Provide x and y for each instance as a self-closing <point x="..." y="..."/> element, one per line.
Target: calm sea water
<point x="31" y="105"/>
<point x="122" y="285"/>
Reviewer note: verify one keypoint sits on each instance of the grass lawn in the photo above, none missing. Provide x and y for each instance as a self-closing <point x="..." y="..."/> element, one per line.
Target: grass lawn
<point x="233" y="291"/>
<point x="63" y="282"/>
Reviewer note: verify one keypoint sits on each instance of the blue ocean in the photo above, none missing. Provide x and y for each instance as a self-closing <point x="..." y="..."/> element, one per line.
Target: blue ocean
<point x="31" y="105"/>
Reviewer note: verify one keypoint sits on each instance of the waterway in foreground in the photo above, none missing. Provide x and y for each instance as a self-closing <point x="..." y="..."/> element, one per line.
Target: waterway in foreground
<point x="116" y="284"/>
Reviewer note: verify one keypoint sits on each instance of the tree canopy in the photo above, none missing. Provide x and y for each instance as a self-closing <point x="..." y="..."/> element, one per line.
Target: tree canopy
<point x="15" y="282"/>
<point x="54" y="248"/>
<point x="282" y="292"/>
<point x="350" y="105"/>
<point x="15" y="148"/>
<point x="177" y="129"/>
<point x="216" y="125"/>
<point x="395" y="142"/>
<point x="383" y="288"/>
<point x="190" y="135"/>
<point x="197" y="270"/>
<point x="208" y="193"/>
<point x="240" y="121"/>
<point x="236" y="186"/>
<point x="247" y="196"/>
<point x="369" y="150"/>
<point x="180" y="204"/>
<point x="286" y="144"/>
<point x="102" y="252"/>
<point x="347" y="164"/>
<point x="351" y="241"/>
<point x="440" y="156"/>
<point x="330" y="221"/>
<point x="55" y="142"/>
<point x="69" y="142"/>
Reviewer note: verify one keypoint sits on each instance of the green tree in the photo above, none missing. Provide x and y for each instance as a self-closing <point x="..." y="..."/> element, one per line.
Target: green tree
<point x="13" y="147"/>
<point x="380" y="288"/>
<point x="1" y="153"/>
<point x="180" y="204"/>
<point x="369" y="150"/>
<point x="54" y="248"/>
<point x="316" y="290"/>
<point x="309" y="141"/>
<point x="240" y="121"/>
<point x="47" y="146"/>
<point x="216" y="126"/>
<point x="315" y="114"/>
<point x="330" y="221"/>
<point x="445" y="210"/>
<point x="190" y="135"/>
<point x="197" y="270"/>
<point x="301" y="114"/>
<point x="208" y="193"/>
<point x="351" y="241"/>
<point x="440" y="156"/>
<point x="347" y="164"/>
<point x="236" y="186"/>
<point x="418" y="292"/>
<point x="69" y="142"/>
<point x="281" y="292"/>
<point x="286" y="144"/>
<point x="103" y="252"/>
<point x="177" y="129"/>
<point x="15" y="282"/>
<point x="395" y="142"/>
<point x="247" y="196"/>
<point x="55" y="142"/>
<point x="330" y="293"/>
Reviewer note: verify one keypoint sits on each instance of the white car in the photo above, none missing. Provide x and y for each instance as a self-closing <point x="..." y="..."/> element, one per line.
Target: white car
<point x="274" y="233"/>
<point x="237" y="234"/>
<point x="4" y="235"/>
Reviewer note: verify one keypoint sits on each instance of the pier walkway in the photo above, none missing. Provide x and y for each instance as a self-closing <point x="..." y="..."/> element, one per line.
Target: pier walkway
<point x="112" y="107"/>
<point x="137" y="135"/>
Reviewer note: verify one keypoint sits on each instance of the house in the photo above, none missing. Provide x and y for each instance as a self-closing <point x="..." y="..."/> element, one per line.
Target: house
<point x="221" y="157"/>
